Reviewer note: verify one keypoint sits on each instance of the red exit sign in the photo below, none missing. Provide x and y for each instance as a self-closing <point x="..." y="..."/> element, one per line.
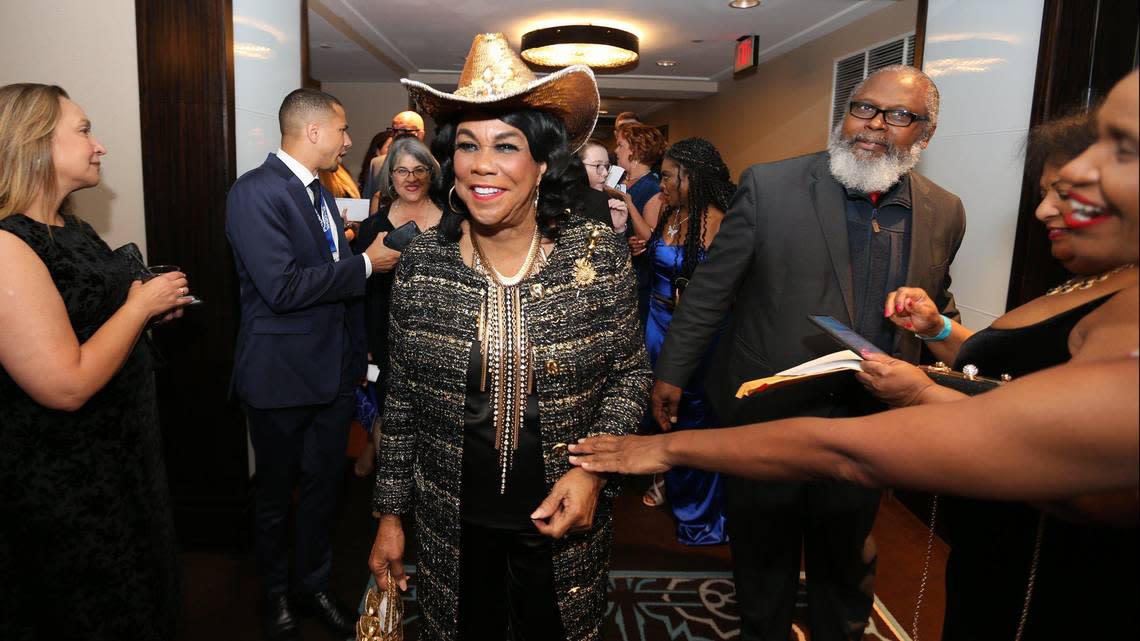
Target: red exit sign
<point x="745" y="58"/>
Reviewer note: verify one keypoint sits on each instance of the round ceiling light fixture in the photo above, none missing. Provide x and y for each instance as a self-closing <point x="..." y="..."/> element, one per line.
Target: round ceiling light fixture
<point x="596" y="46"/>
<point x="744" y="4"/>
<point x="666" y="62"/>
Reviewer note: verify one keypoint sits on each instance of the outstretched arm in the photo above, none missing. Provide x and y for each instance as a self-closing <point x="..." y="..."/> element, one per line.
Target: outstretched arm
<point x="1060" y="432"/>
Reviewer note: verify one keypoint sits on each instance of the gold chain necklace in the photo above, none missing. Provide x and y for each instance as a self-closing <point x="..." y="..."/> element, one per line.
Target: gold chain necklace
<point x="1085" y="282"/>
<point x="506" y="352"/>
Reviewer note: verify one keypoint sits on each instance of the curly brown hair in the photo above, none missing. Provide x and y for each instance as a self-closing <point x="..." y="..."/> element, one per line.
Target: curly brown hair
<point x="646" y="144"/>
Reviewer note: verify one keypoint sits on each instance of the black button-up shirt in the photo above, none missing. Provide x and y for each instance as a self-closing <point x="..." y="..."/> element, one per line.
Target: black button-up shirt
<point x="878" y="237"/>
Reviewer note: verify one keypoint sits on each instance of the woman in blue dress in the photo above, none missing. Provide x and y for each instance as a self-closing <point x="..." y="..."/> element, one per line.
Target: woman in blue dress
<point x="696" y="188"/>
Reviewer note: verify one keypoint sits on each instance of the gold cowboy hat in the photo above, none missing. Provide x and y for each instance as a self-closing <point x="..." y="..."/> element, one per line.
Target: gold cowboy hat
<point x="495" y="77"/>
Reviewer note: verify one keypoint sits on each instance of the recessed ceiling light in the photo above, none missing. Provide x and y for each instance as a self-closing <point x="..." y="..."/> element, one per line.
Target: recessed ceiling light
<point x="744" y="4"/>
<point x="665" y="62"/>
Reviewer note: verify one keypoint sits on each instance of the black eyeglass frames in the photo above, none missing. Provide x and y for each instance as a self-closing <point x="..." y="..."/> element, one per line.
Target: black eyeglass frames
<point x="600" y="167"/>
<point x="404" y="172"/>
<point x="894" y="117"/>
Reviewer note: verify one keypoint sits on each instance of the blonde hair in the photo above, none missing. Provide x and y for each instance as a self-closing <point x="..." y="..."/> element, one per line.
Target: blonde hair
<point x="29" y="114"/>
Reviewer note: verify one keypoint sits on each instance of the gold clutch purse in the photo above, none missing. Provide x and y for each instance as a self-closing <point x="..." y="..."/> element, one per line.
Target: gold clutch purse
<point x="383" y="616"/>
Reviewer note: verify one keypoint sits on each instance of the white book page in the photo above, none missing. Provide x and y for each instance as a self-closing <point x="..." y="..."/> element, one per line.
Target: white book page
<point x="844" y="359"/>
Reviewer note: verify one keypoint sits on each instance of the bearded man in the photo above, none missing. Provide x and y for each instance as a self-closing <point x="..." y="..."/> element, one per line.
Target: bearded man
<point x="829" y="233"/>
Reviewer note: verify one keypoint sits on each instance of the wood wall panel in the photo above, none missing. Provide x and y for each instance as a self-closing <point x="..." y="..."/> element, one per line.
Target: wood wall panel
<point x="1086" y="46"/>
<point x="186" y="95"/>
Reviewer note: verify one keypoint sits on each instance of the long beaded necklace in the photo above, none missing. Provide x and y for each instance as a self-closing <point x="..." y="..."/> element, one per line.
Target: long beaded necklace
<point x="1085" y="282"/>
<point x="505" y="351"/>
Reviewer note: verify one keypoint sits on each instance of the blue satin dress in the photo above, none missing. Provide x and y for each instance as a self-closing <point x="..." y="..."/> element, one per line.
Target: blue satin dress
<point x="695" y="496"/>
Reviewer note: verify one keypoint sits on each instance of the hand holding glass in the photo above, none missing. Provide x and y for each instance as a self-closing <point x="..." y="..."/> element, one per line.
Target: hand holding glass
<point x="155" y="270"/>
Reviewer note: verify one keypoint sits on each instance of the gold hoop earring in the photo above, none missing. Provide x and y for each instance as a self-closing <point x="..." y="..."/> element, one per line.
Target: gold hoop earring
<point x="451" y="204"/>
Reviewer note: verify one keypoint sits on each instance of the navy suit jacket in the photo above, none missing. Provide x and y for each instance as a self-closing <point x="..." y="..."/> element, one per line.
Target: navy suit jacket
<point x="302" y="314"/>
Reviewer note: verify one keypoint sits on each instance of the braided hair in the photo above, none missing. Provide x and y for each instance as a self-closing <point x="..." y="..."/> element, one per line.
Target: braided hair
<point x="709" y="184"/>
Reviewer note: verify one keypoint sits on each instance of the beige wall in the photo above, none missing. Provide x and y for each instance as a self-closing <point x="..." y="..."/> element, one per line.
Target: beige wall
<point x="783" y="109"/>
<point x="88" y="48"/>
<point x="369" y="107"/>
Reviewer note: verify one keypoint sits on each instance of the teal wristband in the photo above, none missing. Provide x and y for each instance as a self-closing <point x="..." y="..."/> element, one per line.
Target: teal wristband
<point x="947" y="326"/>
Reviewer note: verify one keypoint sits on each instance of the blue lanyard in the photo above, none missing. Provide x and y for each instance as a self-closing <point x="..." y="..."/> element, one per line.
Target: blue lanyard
<point x="323" y="216"/>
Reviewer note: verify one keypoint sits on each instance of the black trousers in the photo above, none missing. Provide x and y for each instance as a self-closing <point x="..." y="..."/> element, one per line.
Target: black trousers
<point x="303" y="448"/>
<point x="506" y="586"/>
<point x="769" y="524"/>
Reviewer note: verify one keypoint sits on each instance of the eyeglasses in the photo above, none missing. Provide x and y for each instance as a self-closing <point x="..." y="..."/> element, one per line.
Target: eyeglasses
<point x="893" y="117"/>
<point x="400" y="131"/>
<point x="404" y="172"/>
<point x="600" y="167"/>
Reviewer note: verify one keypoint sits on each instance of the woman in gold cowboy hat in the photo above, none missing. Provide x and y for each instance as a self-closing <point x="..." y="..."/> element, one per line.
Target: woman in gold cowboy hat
<point x="513" y="333"/>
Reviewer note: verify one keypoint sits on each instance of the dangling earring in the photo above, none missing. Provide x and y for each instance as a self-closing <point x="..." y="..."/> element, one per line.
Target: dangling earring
<point x="536" y="194"/>
<point x="449" y="203"/>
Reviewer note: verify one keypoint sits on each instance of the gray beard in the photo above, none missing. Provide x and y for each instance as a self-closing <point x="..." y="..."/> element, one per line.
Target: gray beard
<point x="859" y="171"/>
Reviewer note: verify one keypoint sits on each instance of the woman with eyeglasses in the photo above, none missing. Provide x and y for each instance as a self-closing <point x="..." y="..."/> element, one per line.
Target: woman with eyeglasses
<point x="407" y="178"/>
<point x="596" y="160"/>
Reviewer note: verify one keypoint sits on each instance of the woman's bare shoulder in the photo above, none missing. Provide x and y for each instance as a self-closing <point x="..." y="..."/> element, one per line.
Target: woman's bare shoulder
<point x="1110" y="331"/>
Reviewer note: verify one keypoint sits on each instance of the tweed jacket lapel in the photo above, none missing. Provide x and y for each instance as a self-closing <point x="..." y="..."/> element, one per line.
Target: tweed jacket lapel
<point x="827" y="197"/>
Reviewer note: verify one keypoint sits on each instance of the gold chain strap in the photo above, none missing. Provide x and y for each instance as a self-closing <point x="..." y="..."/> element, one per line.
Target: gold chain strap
<point x="1030" y="584"/>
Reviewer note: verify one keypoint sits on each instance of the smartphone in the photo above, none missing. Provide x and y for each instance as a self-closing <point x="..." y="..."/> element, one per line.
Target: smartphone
<point x="844" y="335"/>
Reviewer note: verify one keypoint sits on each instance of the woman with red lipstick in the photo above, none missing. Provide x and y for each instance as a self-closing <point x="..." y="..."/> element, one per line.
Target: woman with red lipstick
<point x="1025" y="556"/>
<point x="513" y="333"/>
<point x="1054" y="434"/>
<point x="86" y="536"/>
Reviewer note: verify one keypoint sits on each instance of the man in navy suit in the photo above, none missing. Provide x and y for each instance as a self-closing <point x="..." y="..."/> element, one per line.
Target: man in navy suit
<point x="300" y="353"/>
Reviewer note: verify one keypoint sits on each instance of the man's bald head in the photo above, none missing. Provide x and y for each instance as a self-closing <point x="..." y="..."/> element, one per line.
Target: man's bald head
<point x="408" y="122"/>
<point x="303" y="106"/>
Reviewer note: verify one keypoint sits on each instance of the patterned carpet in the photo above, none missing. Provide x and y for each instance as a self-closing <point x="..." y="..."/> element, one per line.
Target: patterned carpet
<point x="680" y="606"/>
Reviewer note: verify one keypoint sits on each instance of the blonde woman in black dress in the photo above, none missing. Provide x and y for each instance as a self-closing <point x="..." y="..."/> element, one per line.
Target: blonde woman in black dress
<point x="86" y="541"/>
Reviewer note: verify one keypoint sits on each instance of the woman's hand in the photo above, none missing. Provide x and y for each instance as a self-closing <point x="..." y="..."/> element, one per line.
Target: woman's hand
<point x="911" y="309"/>
<point x="388" y="553"/>
<point x="896" y="383"/>
<point x="161" y="295"/>
<point x="622" y="454"/>
<point x="636" y="245"/>
<point x="619" y="214"/>
<point x="383" y="257"/>
<point x="570" y="505"/>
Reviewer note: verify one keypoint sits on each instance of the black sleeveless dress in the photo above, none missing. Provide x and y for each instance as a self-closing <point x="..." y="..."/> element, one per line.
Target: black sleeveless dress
<point x="1086" y="585"/>
<point x="87" y="545"/>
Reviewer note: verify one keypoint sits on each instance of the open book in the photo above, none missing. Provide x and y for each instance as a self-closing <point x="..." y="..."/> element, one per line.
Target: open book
<point x="829" y="364"/>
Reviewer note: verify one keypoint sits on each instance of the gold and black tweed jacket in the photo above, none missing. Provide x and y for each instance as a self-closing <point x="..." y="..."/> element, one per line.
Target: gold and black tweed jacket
<point x="591" y="374"/>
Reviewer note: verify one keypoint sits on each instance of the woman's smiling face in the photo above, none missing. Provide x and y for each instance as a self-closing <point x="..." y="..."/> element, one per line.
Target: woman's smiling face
<point x="495" y="174"/>
<point x="1102" y="206"/>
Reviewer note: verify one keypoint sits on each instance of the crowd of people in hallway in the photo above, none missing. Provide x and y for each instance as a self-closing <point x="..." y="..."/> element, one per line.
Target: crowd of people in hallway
<point x="541" y="322"/>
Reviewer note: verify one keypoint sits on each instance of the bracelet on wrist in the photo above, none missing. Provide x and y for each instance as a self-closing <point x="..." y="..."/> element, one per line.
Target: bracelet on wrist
<point x="947" y="327"/>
